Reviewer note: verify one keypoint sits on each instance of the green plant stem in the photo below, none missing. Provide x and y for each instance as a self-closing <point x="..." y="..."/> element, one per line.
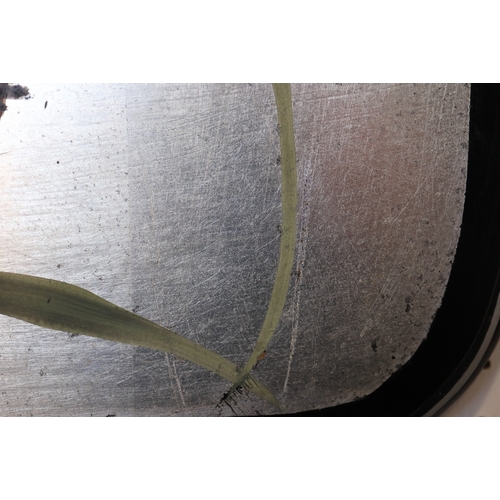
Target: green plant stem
<point x="283" y="97"/>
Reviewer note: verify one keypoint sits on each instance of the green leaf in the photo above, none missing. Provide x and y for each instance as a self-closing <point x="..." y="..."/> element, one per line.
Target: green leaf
<point x="69" y="308"/>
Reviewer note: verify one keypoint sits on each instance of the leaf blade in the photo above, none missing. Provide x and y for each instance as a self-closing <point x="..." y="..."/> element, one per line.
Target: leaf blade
<point x="65" y="307"/>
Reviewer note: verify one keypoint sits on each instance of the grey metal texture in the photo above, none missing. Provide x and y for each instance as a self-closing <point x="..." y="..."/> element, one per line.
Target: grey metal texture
<point x="165" y="199"/>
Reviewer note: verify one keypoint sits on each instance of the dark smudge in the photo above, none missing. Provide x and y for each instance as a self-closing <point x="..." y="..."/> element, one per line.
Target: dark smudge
<point x="8" y="91"/>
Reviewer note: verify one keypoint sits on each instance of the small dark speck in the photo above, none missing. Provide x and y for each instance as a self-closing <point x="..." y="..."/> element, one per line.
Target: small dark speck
<point x="46" y="102"/>
<point x="57" y="162"/>
<point x="59" y="266"/>
<point x="111" y="415"/>
<point x="48" y="300"/>
<point x="278" y="161"/>
<point x="408" y="304"/>
<point x="374" y="346"/>
<point x="487" y="365"/>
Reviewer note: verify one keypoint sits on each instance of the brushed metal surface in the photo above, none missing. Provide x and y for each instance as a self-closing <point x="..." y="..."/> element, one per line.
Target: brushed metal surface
<point x="165" y="199"/>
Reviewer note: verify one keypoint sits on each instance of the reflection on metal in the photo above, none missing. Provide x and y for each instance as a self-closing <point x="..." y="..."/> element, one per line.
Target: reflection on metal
<point x="165" y="200"/>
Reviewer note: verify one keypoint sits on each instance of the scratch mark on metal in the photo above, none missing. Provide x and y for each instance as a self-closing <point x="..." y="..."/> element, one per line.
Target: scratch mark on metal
<point x="176" y="378"/>
<point x="171" y="366"/>
<point x="210" y="277"/>
<point x="299" y="269"/>
<point x="392" y="220"/>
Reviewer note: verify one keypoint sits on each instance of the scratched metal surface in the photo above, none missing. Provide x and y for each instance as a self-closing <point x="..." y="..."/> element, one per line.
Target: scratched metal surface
<point x="165" y="199"/>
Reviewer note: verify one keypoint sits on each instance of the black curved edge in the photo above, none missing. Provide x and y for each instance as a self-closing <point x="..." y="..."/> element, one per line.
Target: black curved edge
<point x="458" y="332"/>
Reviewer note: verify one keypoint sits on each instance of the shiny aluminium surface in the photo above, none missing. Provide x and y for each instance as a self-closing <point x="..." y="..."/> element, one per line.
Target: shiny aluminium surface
<point x="165" y="199"/>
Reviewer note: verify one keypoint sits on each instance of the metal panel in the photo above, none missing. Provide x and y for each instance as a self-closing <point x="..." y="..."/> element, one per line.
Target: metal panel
<point x="165" y="199"/>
